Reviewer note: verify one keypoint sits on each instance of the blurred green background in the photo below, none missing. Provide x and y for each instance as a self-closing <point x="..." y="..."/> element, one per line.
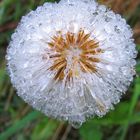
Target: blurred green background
<point x="18" y="121"/>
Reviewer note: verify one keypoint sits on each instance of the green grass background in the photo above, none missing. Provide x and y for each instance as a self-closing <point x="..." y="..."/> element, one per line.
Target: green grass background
<point x="18" y="121"/>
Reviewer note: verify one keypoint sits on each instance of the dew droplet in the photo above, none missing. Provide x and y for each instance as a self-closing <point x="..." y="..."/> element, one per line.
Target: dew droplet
<point x="76" y="125"/>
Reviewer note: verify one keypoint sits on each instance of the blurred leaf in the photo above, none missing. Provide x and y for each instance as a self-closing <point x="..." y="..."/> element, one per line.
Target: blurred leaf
<point x="4" y="9"/>
<point x="21" y="137"/>
<point x="18" y="125"/>
<point x="44" y="129"/>
<point x="138" y="47"/>
<point x="134" y="100"/>
<point x="115" y="116"/>
<point x="2" y="75"/>
<point x="90" y="131"/>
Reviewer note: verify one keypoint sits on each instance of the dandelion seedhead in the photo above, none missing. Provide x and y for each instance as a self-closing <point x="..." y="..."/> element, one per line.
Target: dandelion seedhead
<point x="72" y="60"/>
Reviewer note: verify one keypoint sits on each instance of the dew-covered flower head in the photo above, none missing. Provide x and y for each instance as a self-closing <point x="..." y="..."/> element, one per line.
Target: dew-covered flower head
<point x="72" y="60"/>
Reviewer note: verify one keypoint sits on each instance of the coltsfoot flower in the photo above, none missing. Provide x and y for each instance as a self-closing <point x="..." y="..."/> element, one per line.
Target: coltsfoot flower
<point x="72" y="60"/>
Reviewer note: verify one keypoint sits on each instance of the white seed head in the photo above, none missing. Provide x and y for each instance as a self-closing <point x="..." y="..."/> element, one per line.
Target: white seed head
<point x="72" y="60"/>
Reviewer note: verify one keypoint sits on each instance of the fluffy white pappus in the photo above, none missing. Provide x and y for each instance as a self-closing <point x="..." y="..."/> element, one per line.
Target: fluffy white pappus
<point x="72" y="60"/>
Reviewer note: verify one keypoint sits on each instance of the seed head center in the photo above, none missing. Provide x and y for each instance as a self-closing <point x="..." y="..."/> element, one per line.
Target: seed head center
<point x="73" y="51"/>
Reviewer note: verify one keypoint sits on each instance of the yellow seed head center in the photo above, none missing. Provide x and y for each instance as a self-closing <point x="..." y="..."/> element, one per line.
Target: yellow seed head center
<point x="73" y="52"/>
